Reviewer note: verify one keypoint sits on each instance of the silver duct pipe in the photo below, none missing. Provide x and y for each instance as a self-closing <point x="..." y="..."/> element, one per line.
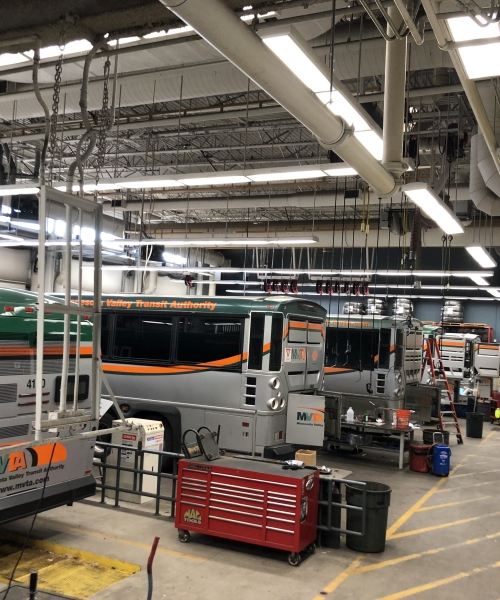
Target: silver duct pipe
<point x="220" y="27"/>
<point x="487" y="167"/>
<point x="394" y="101"/>
<point x="482" y="197"/>
<point x="110" y="224"/>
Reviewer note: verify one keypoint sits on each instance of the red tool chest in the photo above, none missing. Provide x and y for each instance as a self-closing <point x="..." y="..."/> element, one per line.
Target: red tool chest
<point x="248" y="501"/>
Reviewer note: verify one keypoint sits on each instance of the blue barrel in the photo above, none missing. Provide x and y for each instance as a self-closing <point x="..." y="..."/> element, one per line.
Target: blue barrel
<point x="441" y="460"/>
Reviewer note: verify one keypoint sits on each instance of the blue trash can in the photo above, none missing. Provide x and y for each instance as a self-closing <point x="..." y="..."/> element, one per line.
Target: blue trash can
<point x="441" y="460"/>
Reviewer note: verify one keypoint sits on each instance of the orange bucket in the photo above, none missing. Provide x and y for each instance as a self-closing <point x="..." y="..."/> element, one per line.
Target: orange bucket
<point x="402" y="419"/>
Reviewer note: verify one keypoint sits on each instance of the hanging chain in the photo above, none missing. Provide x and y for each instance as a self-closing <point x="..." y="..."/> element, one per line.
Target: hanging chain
<point x="104" y="123"/>
<point x="55" y="102"/>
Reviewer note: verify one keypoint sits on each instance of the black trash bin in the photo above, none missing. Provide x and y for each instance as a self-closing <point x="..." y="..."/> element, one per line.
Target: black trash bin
<point x="474" y="425"/>
<point x="378" y="499"/>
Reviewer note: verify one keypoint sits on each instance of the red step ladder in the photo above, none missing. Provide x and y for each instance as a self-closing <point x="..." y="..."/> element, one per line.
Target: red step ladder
<point x="433" y="360"/>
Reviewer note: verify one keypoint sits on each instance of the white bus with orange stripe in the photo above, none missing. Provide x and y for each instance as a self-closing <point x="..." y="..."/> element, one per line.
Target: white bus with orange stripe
<point x="222" y="362"/>
<point x="372" y="355"/>
<point x="23" y="472"/>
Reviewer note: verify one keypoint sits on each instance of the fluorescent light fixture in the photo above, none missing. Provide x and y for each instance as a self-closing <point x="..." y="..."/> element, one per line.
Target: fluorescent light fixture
<point x="126" y="40"/>
<point x="73" y="47"/>
<point x="224" y="178"/>
<point x="479" y="280"/>
<point x="464" y="29"/>
<point x="174" y="259"/>
<point x="481" y="256"/>
<point x="216" y="242"/>
<point x="340" y="171"/>
<point x="250" y="17"/>
<point x="134" y="183"/>
<point x="18" y="190"/>
<point x="433" y="207"/>
<point x="341" y="107"/>
<point x="10" y="236"/>
<point x="372" y="142"/>
<point x="307" y="172"/>
<point x="494" y="292"/>
<point x="8" y="59"/>
<point x="154" y="34"/>
<point x="102" y="186"/>
<point x="288" y="51"/>
<point x="177" y="30"/>
<point x="4" y="219"/>
<point x="481" y="62"/>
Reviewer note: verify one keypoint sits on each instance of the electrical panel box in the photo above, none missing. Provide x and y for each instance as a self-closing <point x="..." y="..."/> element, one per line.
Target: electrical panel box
<point x="145" y="435"/>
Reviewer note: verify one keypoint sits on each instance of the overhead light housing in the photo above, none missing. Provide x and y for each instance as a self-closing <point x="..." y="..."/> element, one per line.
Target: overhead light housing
<point x="477" y="279"/>
<point x="18" y="190"/>
<point x="277" y="174"/>
<point x="494" y="292"/>
<point x="481" y="256"/>
<point x="284" y="241"/>
<point x="10" y="236"/>
<point x="139" y="183"/>
<point x="224" y="178"/>
<point x="433" y="207"/>
<point x="294" y="51"/>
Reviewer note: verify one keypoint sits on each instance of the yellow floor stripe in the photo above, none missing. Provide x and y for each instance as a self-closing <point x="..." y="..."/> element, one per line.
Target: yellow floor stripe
<point x="489" y="436"/>
<point x="438" y="583"/>
<point x="60" y="569"/>
<point x="476" y="473"/>
<point x="90" y="557"/>
<point x="442" y="526"/>
<point x="341" y="577"/>
<point x="112" y="538"/>
<point x="411" y="511"/>
<point x="448" y="504"/>
<point x="465" y="487"/>
<point x="408" y="557"/>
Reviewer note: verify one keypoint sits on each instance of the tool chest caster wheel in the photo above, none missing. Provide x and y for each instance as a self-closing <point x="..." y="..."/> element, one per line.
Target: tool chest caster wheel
<point x="294" y="559"/>
<point x="184" y="536"/>
<point x="311" y="549"/>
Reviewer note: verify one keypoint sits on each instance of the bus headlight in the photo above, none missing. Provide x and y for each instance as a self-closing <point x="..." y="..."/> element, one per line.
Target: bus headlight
<point x="399" y="378"/>
<point x="273" y="403"/>
<point x="275" y="383"/>
<point x="278" y="394"/>
<point x="282" y="402"/>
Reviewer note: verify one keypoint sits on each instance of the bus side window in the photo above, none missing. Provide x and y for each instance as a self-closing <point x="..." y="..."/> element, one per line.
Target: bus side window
<point x="105" y="328"/>
<point x="208" y="340"/>
<point x="143" y="337"/>
<point x="384" y="352"/>
<point x="256" y="341"/>
<point x="276" y="343"/>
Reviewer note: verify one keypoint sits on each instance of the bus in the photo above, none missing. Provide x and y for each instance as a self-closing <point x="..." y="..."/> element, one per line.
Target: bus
<point x="373" y="356"/>
<point x="61" y="472"/>
<point x="225" y="363"/>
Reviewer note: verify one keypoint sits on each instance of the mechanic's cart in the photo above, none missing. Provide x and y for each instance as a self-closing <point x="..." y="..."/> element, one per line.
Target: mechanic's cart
<point x="249" y="501"/>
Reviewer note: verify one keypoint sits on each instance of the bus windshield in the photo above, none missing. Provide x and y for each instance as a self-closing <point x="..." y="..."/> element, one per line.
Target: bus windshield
<point x="352" y="349"/>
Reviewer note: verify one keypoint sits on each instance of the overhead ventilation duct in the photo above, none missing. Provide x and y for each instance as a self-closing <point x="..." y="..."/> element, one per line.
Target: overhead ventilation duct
<point x="219" y="25"/>
<point x="483" y="197"/>
<point x="487" y="167"/>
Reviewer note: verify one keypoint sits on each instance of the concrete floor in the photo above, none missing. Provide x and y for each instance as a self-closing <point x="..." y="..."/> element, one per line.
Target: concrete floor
<point x="442" y="542"/>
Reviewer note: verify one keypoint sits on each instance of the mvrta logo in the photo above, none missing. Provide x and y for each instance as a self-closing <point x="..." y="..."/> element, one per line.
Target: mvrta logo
<point x="310" y="416"/>
<point x="192" y="516"/>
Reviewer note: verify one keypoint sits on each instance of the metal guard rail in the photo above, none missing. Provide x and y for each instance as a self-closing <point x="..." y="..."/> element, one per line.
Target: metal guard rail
<point x="329" y="503"/>
<point x="139" y="472"/>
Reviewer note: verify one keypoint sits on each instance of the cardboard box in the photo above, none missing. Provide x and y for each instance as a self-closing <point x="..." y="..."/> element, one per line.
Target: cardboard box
<point x="308" y="457"/>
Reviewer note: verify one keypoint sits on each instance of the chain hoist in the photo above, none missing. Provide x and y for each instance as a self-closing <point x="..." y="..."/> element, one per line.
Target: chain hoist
<point x="104" y="123"/>
<point x="55" y="103"/>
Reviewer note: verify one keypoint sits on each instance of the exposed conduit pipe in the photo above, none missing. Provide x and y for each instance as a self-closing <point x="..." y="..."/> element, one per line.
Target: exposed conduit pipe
<point x="220" y="27"/>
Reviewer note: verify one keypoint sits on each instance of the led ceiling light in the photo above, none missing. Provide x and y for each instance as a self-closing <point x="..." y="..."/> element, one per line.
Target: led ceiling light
<point x="10" y="236"/>
<point x="340" y="171"/>
<point x="18" y="190"/>
<point x="481" y="256"/>
<point x="216" y="242"/>
<point x="8" y="59"/>
<point x="288" y="51"/>
<point x="433" y="207"/>
<point x="479" y="280"/>
<point x="308" y="172"/>
<point x="494" y="292"/>
<point x="464" y="29"/>
<point x="102" y="186"/>
<point x="133" y="183"/>
<point x="200" y="179"/>
<point x="303" y="61"/>
<point x="480" y="61"/>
